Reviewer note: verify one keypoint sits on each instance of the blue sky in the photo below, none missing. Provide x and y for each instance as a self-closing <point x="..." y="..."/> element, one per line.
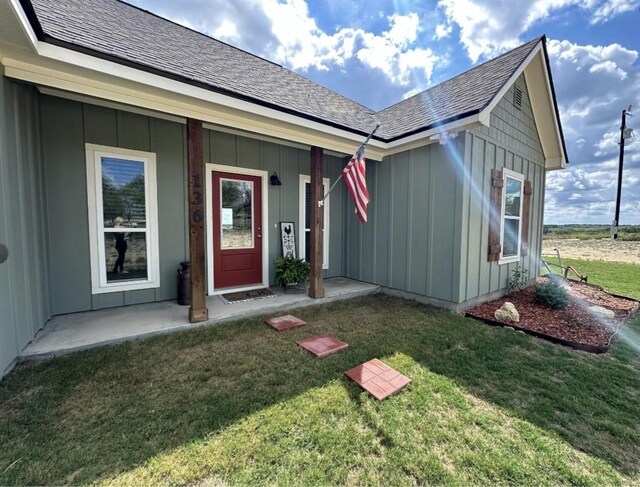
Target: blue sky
<point x="377" y="52"/>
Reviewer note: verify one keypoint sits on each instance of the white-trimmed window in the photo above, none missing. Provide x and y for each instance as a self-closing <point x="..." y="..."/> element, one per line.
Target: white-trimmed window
<point x="304" y="245"/>
<point x="123" y="219"/>
<point x="511" y="219"/>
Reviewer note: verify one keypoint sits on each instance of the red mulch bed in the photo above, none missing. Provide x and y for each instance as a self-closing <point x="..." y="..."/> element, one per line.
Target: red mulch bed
<point x="572" y="326"/>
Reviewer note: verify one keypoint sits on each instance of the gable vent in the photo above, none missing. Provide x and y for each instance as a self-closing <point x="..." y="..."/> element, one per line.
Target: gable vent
<point x="517" y="98"/>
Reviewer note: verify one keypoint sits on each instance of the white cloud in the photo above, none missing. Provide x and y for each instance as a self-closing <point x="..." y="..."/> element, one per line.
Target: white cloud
<point x="443" y="31"/>
<point x="226" y="30"/>
<point x="306" y="46"/>
<point x="613" y="8"/>
<point x="489" y="27"/>
<point x="389" y="51"/>
<point x="607" y="144"/>
<point x="285" y="32"/>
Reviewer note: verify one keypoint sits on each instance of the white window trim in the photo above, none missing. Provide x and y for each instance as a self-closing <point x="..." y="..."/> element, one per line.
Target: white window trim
<point x="209" y="169"/>
<point x="99" y="285"/>
<point x="326" y="182"/>
<point x="520" y="177"/>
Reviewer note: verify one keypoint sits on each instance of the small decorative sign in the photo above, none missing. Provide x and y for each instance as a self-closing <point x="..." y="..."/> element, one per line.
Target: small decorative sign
<point x="288" y="236"/>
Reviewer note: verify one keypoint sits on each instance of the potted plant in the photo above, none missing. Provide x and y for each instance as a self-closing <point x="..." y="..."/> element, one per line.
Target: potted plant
<point x="292" y="273"/>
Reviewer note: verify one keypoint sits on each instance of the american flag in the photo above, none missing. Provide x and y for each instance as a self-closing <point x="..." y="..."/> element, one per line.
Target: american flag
<point x="354" y="175"/>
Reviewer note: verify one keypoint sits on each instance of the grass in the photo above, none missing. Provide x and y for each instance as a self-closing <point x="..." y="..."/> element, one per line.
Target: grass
<point x="615" y="277"/>
<point x="241" y="404"/>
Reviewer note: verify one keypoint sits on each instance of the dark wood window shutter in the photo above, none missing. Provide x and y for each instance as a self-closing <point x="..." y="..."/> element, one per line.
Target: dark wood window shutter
<point x="526" y="217"/>
<point x="497" y="182"/>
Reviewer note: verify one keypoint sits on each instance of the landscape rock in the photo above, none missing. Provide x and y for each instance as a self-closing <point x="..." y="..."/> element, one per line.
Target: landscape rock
<point x="602" y="312"/>
<point x="507" y="312"/>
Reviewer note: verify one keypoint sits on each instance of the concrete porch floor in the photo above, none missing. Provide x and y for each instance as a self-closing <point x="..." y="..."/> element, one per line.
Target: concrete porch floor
<point x="79" y="331"/>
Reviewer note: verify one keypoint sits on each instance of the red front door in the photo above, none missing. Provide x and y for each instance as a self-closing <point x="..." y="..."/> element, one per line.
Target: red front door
<point x="237" y="230"/>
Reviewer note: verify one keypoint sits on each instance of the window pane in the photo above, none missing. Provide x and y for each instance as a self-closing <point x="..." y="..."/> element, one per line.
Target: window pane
<point x="123" y="193"/>
<point x="307" y="246"/>
<point x="511" y="237"/>
<point x="307" y="205"/>
<point x="237" y="229"/>
<point x="126" y="256"/>
<point x="512" y="197"/>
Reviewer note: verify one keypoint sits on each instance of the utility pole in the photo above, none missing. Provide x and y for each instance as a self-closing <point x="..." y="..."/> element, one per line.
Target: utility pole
<point x="623" y="135"/>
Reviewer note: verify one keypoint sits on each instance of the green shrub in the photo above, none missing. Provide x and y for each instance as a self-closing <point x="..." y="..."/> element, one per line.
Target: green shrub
<point x="552" y="294"/>
<point x="290" y="270"/>
<point x="518" y="279"/>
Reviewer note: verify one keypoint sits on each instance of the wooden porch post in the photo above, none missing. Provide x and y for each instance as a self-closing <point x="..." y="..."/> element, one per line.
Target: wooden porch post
<point x="195" y="164"/>
<point x="316" y="289"/>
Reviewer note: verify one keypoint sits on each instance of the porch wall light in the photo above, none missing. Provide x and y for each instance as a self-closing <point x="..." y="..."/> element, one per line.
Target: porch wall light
<point x="275" y="180"/>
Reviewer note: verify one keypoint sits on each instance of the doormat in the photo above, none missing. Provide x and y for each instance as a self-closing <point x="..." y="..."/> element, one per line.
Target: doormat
<point x="242" y="296"/>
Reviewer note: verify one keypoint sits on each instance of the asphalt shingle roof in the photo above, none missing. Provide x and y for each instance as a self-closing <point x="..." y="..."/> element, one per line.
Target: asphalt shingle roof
<point x="129" y="35"/>
<point x="461" y="95"/>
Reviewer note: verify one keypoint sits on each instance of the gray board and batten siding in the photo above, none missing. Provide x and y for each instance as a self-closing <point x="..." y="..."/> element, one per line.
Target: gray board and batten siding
<point x="511" y="141"/>
<point x="411" y="241"/>
<point x="66" y="193"/>
<point x="428" y="229"/>
<point x="24" y="278"/>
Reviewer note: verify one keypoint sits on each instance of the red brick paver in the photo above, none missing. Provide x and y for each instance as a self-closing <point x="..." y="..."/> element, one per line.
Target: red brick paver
<point x="378" y="379"/>
<point x="322" y="345"/>
<point x="286" y="322"/>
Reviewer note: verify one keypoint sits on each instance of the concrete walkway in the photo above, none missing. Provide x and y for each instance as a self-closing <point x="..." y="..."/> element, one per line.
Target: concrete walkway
<point x="70" y="333"/>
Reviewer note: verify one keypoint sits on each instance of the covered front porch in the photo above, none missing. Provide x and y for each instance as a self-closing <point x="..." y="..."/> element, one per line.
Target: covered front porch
<point x="80" y="331"/>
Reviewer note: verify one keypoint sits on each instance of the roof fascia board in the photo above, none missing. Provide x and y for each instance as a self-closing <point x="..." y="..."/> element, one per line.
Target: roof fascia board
<point x="543" y="108"/>
<point x="554" y="107"/>
<point x="554" y="163"/>
<point x="424" y="138"/>
<point x="21" y="16"/>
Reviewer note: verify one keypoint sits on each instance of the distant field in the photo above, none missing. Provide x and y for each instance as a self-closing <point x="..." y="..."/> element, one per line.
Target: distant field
<point x="606" y="249"/>
<point x="586" y="232"/>
<point x="615" y="277"/>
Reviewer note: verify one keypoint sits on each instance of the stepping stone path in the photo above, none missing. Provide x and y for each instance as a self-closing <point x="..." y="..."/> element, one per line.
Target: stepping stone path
<point x="378" y="379"/>
<point x="286" y="322"/>
<point x="322" y="345"/>
<point x="374" y="376"/>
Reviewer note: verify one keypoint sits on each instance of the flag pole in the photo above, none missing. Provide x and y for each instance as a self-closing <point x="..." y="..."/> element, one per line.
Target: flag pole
<point x="321" y="202"/>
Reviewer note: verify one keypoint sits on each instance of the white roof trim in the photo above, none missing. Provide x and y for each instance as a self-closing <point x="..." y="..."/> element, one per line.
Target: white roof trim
<point x="24" y="22"/>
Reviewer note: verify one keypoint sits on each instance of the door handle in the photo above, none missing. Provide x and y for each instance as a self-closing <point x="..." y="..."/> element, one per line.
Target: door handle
<point x="4" y="253"/>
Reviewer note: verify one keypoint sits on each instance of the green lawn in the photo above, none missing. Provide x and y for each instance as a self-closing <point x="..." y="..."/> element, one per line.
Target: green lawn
<point x="615" y="277"/>
<point x="241" y="404"/>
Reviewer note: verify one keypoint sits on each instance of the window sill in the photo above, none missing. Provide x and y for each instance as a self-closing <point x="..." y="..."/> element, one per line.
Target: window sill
<point x="509" y="260"/>
<point x="116" y="288"/>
